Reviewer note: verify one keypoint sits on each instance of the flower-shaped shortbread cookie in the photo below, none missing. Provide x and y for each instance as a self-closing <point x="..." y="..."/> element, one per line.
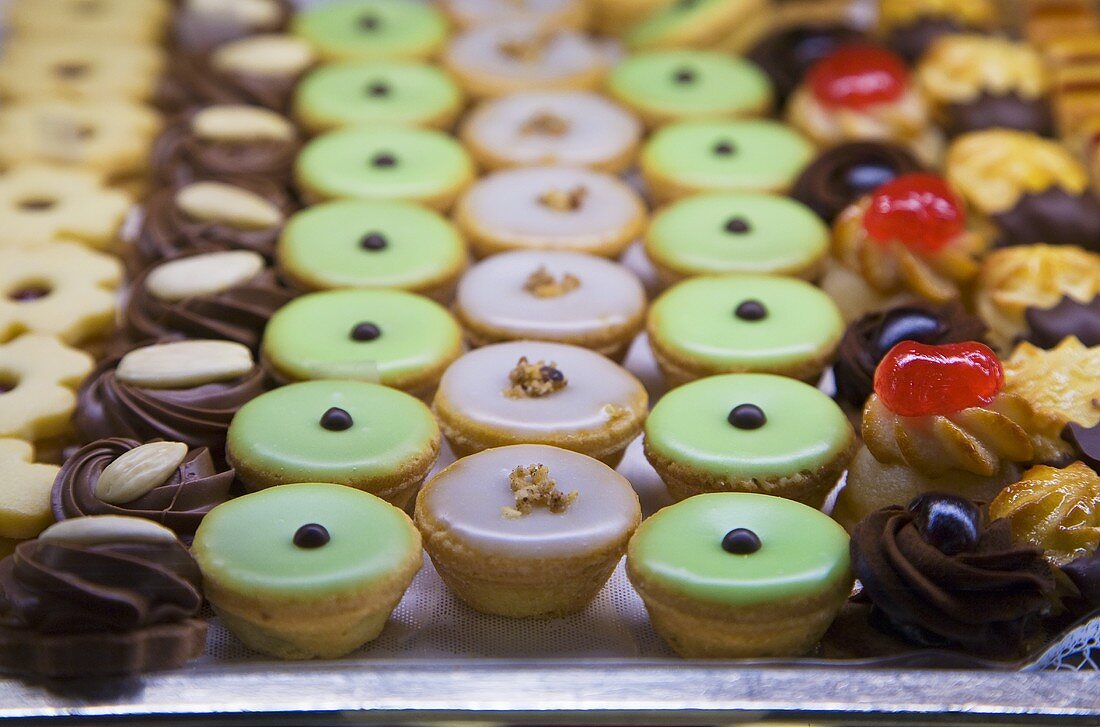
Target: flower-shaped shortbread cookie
<point x="24" y="491"/>
<point x="40" y="203"/>
<point x="38" y="375"/>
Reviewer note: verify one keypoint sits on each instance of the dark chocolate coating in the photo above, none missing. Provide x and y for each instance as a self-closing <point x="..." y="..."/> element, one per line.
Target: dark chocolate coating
<point x="192" y="31"/>
<point x="1006" y="111"/>
<point x="1085" y="574"/>
<point x="787" y="53"/>
<point x="1048" y="326"/>
<point x="912" y="40"/>
<point x="1085" y="442"/>
<point x="1053" y="216"/>
<point x="847" y="172"/>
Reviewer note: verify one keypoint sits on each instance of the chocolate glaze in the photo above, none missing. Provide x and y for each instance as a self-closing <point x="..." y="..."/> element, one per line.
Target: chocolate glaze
<point x="1053" y="216"/>
<point x="862" y="347"/>
<point x="787" y="53"/>
<point x="198" y="416"/>
<point x="1085" y="574"/>
<point x="192" y="81"/>
<point x="192" y="31"/>
<point x="1048" y="326"/>
<point x="846" y="172"/>
<point x="912" y="40"/>
<point x="167" y="233"/>
<point x="237" y="314"/>
<point x="196" y="487"/>
<point x="1085" y="442"/>
<point x="1007" y="111"/>
<point x="985" y="600"/>
<point x="179" y="156"/>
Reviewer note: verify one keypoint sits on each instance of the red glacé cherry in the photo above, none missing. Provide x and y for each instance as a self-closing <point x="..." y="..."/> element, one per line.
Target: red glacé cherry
<point x="857" y="76"/>
<point x="915" y="379"/>
<point x="918" y="210"/>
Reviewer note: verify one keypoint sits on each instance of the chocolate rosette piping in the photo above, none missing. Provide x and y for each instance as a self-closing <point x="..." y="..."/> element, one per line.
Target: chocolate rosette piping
<point x="847" y="172"/>
<point x="786" y="54"/>
<point x="180" y="503"/>
<point x="193" y="81"/>
<point x="985" y="599"/>
<point x="237" y="314"/>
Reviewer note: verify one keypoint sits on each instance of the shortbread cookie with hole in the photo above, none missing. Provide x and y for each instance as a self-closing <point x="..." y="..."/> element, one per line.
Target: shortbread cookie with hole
<point x="200" y="25"/>
<point x="111" y="138"/>
<point x="166" y="482"/>
<point x="494" y="60"/>
<point x="79" y="70"/>
<point x="1032" y="190"/>
<point x="549" y="14"/>
<point x="61" y="289"/>
<point x="25" y="487"/>
<point x="373" y="30"/>
<point x="385" y="163"/>
<point x="407" y="93"/>
<point x="38" y="374"/>
<point x="551" y="295"/>
<point x="227" y="295"/>
<point x="358" y="243"/>
<point x="209" y="216"/>
<point x="527" y="531"/>
<point x="183" y="391"/>
<point x="224" y="143"/>
<point x="551" y="208"/>
<point x="40" y="204"/>
<point x="574" y="128"/>
<point x="533" y="392"/>
<point x="259" y="70"/>
<point x="117" y="22"/>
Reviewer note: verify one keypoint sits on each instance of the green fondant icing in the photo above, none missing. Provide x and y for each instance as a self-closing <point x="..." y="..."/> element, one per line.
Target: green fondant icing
<point x="803" y="551"/>
<point x="722" y="84"/>
<point x="280" y="432"/>
<point x="668" y="20"/>
<point x="247" y="544"/>
<point x="340" y="163"/>
<point x="321" y="245"/>
<point x="310" y="337"/>
<point x="805" y="429"/>
<point x="766" y="154"/>
<point x="695" y="319"/>
<point x="783" y="235"/>
<point x="367" y="29"/>
<point x="341" y="94"/>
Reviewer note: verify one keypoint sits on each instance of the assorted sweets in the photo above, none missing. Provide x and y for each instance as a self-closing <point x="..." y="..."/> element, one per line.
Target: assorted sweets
<point x="263" y="268"/>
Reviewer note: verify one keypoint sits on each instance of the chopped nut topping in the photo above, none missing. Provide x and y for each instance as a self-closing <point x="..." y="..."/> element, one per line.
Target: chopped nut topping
<point x="525" y="50"/>
<point x="542" y="284"/>
<point x="546" y="124"/>
<point x="561" y="200"/>
<point x="614" y="411"/>
<point x="534" y="379"/>
<point x="532" y="487"/>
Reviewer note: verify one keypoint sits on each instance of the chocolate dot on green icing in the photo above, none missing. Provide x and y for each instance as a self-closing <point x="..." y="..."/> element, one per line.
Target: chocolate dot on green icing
<point x="369" y="22"/>
<point x="373" y="241"/>
<point x="384" y="160"/>
<point x="724" y="149"/>
<point x="365" y="332"/>
<point x="336" y="420"/>
<point x="737" y="226"/>
<point x="747" y="416"/>
<point x="378" y="88"/>
<point x="311" y="535"/>
<point x="684" y="75"/>
<point x="741" y="541"/>
<point x="751" y="310"/>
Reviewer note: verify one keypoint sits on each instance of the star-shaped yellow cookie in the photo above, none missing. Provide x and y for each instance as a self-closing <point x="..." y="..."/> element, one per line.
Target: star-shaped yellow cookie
<point x="38" y="374"/>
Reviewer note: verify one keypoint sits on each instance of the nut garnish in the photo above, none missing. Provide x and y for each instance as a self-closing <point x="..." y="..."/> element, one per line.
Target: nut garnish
<point x="250" y="13"/>
<point x="225" y="204"/>
<point x="525" y="50"/>
<point x="97" y="529"/>
<point x="545" y="124"/>
<point x="138" y="471"/>
<point x="532" y="487"/>
<point x="265" y="55"/>
<point x="207" y="274"/>
<point x="183" y="364"/>
<point x="542" y="284"/>
<point x="241" y="123"/>
<point x="561" y="200"/>
<point x="534" y="379"/>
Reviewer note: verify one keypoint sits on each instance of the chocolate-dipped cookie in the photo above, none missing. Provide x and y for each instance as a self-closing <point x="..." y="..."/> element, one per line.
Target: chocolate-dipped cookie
<point x="846" y="172"/>
<point x="1048" y="326"/>
<point x="910" y="27"/>
<point x="166" y="482"/>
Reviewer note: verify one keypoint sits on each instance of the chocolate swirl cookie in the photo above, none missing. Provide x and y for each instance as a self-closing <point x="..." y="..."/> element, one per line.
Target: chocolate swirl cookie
<point x="180" y="502"/>
<point x="868" y="340"/>
<point x="786" y="54"/>
<point x="226" y="143"/>
<point x="100" y="596"/>
<point x="200" y="26"/>
<point x="846" y="172"/>
<point x="939" y="576"/>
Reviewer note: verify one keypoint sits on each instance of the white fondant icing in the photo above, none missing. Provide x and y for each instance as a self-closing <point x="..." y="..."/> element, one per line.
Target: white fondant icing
<point x="475" y="385"/>
<point x="467" y="497"/>
<point x="475" y="12"/>
<point x="509" y="206"/>
<point x="594" y="129"/>
<point x="483" y="51"/>
<point x="492" y="293"/>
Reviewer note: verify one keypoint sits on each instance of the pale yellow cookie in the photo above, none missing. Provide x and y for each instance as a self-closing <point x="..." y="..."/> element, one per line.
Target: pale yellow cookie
<point x="25" y="488"/>
<point x="40" y="203"/>
<point x="82" y="70"/>
<point x="38" y="374"/>
<point x="60" y="288"/>
<point x="101" y="20"/>
<point x="1061" y="384"/>
<point x="111" y="138"/>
